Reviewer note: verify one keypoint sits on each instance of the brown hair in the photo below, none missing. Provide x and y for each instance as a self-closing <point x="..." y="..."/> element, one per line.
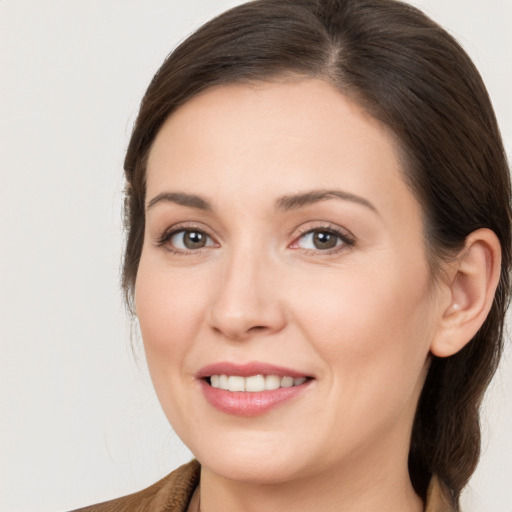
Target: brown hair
<point x="410" y="74"/>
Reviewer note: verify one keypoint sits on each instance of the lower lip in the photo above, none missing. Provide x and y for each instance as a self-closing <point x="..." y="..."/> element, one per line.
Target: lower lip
<point x="243" y="403"/>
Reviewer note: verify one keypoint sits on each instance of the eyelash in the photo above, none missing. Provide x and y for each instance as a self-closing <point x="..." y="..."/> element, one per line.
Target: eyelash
<point x="347" y="240"/>
<point x="166" y="236"/>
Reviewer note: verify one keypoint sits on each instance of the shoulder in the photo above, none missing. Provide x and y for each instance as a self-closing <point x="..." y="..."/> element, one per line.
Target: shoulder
<point x="171" y="494"/>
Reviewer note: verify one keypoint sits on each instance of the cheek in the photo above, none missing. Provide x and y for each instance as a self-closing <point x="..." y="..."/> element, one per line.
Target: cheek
<point x="371" y="336"/>
<point x="371" y="326"/>
<point x="168" y="307"/>
<point x="169" y="310"/>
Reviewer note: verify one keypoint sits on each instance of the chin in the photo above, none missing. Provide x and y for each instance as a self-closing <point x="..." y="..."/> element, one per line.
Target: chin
<point x="256" y="470"/>
<point x="253" y="461"/>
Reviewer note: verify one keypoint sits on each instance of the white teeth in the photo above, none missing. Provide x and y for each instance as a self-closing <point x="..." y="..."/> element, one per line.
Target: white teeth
<point x="287" y="382"/>
<point x="236" y="383"/>
<point x="254" y="383"/>
<point x="272" y="382"/>
<point x="223" y="382"/>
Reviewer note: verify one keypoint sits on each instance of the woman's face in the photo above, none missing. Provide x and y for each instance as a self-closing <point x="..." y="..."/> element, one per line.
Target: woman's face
<point x="282" y="244"/>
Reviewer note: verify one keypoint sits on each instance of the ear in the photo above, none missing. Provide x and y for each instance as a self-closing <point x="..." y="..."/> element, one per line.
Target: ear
<point x="472" y="282"/>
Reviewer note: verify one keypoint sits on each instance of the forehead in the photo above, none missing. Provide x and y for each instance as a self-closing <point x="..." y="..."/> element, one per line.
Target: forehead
<point x="245" y="139"/>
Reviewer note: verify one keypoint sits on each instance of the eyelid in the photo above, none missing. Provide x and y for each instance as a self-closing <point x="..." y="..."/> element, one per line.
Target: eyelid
<point x="346" y="237"/>
<point x="162" y="239"/>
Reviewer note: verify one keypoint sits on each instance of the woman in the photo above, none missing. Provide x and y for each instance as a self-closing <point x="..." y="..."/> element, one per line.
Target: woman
<point x="318" y="254"/>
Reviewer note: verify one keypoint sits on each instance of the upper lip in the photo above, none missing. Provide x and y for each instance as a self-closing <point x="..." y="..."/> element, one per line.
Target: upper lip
<point x="247" y="369"/>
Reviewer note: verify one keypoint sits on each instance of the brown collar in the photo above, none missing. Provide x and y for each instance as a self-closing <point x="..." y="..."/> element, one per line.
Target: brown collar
<point x="179" y="492"/>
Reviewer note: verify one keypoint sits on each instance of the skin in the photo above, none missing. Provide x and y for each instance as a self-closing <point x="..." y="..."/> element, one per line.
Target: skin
<point x="360" y="318"/>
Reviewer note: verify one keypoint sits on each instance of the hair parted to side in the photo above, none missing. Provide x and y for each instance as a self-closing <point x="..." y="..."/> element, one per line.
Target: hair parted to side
<point x="411" y="75"/>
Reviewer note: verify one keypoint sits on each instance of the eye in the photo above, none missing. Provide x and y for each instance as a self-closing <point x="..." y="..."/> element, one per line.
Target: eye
<point x="322" y="239"/>
<point x="187" y="239"/>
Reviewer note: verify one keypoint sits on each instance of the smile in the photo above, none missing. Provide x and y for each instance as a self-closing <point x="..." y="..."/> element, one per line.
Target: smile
<point x="254" y="383"/>
<point x="252" y="388"/>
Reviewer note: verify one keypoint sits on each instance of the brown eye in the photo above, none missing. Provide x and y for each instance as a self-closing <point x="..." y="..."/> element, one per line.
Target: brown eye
<point x="190" y="239"/>
<point x="323" y="240"/>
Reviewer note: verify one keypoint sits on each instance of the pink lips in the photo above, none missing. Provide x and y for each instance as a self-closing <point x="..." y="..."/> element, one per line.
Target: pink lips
<point x="246" y="370"/>
<point x="242" y="403"/>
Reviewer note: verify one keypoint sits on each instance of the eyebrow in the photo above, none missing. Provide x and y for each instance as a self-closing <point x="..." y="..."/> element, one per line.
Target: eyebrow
<point x="190" y="200"/>
<point x="283" y="203"/>
<point x="292" y="202"/>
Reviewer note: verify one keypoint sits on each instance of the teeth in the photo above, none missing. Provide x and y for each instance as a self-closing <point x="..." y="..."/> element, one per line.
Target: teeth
<point x="223" y="382"/>
<point x="236" y="383"/>
<point x="287" y="382"/>
<point x="272" y="382"/>
<point x="254" y="383"/>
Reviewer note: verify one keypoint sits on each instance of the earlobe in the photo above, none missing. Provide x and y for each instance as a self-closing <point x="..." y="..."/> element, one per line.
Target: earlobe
<point x="472" y="284"/>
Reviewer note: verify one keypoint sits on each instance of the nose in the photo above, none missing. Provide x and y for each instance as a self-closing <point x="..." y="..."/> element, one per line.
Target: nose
<point x="247" y="300"/>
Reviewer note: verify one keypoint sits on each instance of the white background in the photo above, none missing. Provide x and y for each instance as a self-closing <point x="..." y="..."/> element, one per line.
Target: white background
<point x="79" y="422"/>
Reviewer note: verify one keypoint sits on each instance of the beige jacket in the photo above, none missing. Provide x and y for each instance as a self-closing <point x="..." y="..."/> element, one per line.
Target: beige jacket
<point x="174" y="492"/>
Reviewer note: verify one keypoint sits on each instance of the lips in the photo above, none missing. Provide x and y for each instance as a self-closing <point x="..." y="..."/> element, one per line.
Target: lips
<point x="250" y="389"/>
